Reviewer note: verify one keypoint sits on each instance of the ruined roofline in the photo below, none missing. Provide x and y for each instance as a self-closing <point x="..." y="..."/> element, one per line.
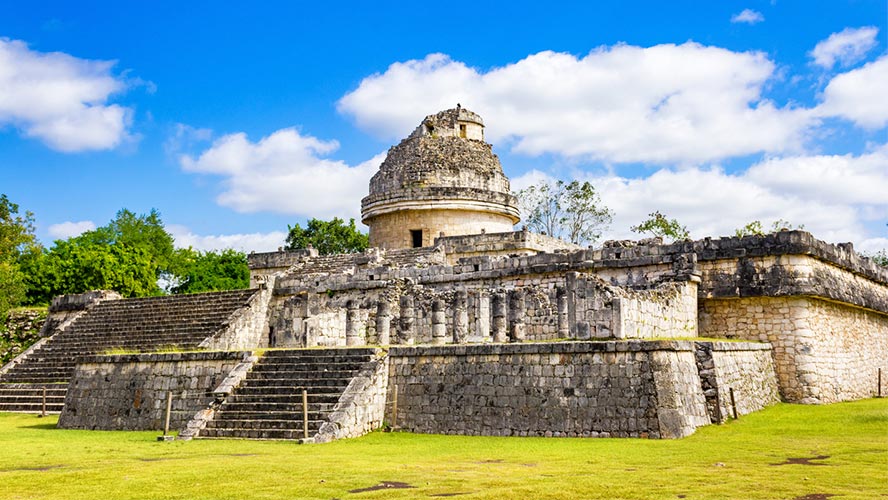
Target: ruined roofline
<point x="796" y="242"/>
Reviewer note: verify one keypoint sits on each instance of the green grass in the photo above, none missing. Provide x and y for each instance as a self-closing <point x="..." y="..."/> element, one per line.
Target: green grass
<point x="735" y="460"/>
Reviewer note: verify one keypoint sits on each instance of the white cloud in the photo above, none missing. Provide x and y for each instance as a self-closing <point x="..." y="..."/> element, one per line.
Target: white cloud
<point x="668" y="103"/>
<point x="249" y="242"/>
<point x="65" y="230"/>
<point x="841" y="179"/>
<point x="711" y="202"/>
<point x="60" y="99"/>
<point x="872" y="245"/>
<point x="859" y="95"/>
<point x="184" y="136"/>
<point x="748" y="16"/>
<point x="284" y="172"/>
<point x="845" y="47"/>
<point x="833" y="196"/>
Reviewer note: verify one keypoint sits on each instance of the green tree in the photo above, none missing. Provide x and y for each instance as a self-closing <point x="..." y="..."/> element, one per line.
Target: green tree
<point x="328" y="237"/>
<point x="16" y="241"/>
<point x="756" y="228"/>
<point x="658" y="225"/>
<point x="880" y="258"/>
<point x="210" y="271"/>
<point x="127" y="255"/>
<point x="572" y="211"/>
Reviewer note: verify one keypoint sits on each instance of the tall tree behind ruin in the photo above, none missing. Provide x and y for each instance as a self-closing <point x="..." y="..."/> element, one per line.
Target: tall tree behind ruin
<point x="571" y="211"/>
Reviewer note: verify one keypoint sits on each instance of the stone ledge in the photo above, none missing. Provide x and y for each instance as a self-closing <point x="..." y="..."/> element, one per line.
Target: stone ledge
<point x="543" y="348"/>
<point x="164" y="357"/>
<point x="736" y="346"/>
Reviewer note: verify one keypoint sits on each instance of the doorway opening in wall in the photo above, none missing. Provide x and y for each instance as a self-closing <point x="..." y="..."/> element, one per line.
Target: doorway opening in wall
<point x="462" y="130"/>
<point x="416" y="237"/>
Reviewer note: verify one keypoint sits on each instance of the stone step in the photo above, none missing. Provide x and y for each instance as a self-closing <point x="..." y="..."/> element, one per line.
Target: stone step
<point x="31" y="408"/>
<point x="286" y="396"/>
<point x="289" y="407"/>
<point x="222" y="416"/>
<point x="267" y="424"/>
<point x="296" y="383"/>
<point x="303" y="374"/>
<point x="290" y="435"/>
<point x="307" y="367"/>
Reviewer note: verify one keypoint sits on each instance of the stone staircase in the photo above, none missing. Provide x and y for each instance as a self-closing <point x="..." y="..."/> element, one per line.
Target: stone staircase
<point x="268" y="402"/>
<point x="133" y="325"/>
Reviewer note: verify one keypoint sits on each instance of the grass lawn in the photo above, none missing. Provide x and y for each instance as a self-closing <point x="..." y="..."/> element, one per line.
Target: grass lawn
<point x="746" y="459"/>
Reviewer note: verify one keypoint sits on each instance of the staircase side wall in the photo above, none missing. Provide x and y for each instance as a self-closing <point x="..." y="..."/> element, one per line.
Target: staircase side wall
<point x="748" y="369"/>
<point x="361" y="408"/>
<point x="247" y="328"/>
<point x="129" y="392"/>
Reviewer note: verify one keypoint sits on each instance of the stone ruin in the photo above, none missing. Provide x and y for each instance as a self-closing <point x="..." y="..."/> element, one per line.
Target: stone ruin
<point x="453" y="323"/>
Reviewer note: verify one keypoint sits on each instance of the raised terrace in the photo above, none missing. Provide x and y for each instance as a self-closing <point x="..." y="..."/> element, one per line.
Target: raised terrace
<point x="471" y="327"/>
<point x="101" y="325"/>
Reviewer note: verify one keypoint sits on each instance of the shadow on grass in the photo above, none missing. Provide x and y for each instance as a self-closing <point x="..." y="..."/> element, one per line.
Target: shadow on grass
<point x="39" y="426"/>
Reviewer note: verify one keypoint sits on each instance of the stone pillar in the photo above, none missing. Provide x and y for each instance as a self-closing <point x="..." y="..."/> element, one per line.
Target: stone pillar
<point x="352" y="335"/>
<point x="482" y="316"/>
<point x="499" y="317"/>
<point x="439" y="326"/>
<point x="563" y="325"/>
<point x="405" y="323"/>
<point x="460" y="317"/>
<point x="383" y="321"/>
<point x="516" y="315"/>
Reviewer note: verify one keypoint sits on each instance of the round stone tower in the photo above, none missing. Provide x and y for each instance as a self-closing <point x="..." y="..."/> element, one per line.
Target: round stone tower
<point x="442" y="179"/>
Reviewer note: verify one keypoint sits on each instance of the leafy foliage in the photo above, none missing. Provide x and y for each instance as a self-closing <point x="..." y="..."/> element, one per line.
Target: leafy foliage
<point x="572" y="211"/>
<point x="755" y="228"/>
<point x="210" y="271"/>
<point x="127" y="255"/>
<point x="658" y="225"/>
<point x="16" y="240"/>
<point x="328" y="237"/>
<point x="880" y="258"/>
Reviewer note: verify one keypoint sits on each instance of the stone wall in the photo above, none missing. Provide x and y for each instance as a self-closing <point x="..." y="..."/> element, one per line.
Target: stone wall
<point x="510" y="243"/>
<point x="128" y="392"/>
<point x="247" y="327"/>
<point x="593" y="389"/>
<point x="393" y="230"/>
<point x="361" y="408"/>
<point x="823" y="351"/>
<point x="744" y="368"/>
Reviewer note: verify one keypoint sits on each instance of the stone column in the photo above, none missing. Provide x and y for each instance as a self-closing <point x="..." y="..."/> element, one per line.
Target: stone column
<point x="563" y="325"/>
<point x="482" y="316"/>
<point x="383" y="321"/>
<point x="499" y="317"/>
<point x="405" y="323"/>
<point x="516" y="315"/>
<point x="352" y="335"/>
<point x="460" y="317"/>
<point x="439" y="326"/>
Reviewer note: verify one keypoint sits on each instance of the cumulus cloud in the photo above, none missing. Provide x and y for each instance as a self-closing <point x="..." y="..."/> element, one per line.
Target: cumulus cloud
<point x="244" y="242"/>
<point x="60" y="99"/>
<point x="65" y="230"/>
<point x="836" y="197"/>
<point x="859" y="95"/>
<point x="285" y="172"/>
<point x="668" y="103"/>
<point x="748" y="16"/>
<point x="845" y="47"/>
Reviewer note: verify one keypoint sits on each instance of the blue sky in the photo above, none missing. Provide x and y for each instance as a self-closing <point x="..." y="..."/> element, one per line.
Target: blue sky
<point x="235" y="120"/>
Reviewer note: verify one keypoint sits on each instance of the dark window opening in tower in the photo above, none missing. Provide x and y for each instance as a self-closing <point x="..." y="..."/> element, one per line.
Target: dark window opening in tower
<point x="430" y="129"/>
<point x="462" y="130"/>
<point x="416" y="237"/>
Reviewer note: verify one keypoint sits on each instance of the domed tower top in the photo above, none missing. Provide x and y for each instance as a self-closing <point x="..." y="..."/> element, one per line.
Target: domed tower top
<point x="443" y="178"/>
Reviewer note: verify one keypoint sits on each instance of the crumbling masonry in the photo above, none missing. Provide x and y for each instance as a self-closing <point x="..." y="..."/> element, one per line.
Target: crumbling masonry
<point x="472" y="327"/>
